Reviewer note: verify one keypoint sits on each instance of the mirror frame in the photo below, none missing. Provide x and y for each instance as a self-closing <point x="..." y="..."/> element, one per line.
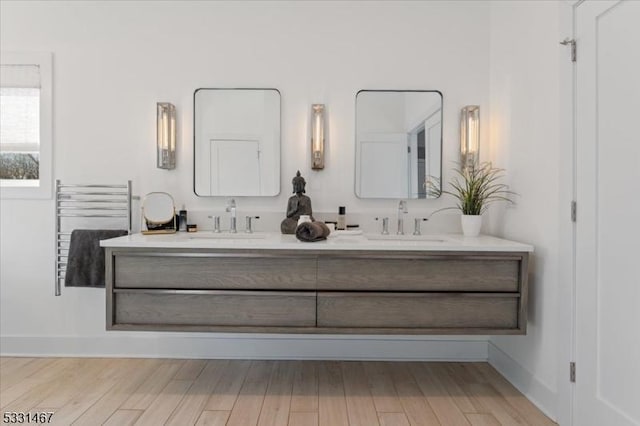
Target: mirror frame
<point x="193" y="127"/>
<point x="355" y="181"/>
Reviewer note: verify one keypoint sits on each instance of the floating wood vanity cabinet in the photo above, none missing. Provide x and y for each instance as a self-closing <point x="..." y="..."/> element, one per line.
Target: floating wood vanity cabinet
<point x="316" y="291"/>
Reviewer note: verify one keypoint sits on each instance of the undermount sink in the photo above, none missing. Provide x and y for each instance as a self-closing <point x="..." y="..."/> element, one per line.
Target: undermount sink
<point x="395" y="237"/>
<point x="228" y="236"/>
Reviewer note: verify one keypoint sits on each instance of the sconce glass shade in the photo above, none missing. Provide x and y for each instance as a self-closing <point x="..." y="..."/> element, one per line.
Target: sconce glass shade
<point x="166" y="135"/>
<point x="469" y="136"/>
<point x="317" y="136"/>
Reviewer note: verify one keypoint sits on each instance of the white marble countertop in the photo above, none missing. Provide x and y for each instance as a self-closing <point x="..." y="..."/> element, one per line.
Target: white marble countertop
<point x="277" y="241"/>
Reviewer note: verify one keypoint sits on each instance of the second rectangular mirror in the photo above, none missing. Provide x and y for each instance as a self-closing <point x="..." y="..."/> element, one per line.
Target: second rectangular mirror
<point x="236" y="142"/>
<point x="398" y="143"/>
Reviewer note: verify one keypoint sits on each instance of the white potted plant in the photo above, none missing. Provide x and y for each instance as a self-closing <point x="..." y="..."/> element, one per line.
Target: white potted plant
<point x="475" y="188"/>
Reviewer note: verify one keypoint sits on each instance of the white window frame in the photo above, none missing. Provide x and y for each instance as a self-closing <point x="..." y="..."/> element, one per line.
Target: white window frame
<point x="45" y="175"/>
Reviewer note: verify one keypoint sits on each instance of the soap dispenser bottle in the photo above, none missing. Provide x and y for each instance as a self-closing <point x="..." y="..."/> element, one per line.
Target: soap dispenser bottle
<point x="182" y="219"/>
<point x="342" y="218"/>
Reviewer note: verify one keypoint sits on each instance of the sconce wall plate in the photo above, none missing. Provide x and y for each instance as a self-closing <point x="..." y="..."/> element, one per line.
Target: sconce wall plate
<point x="166" y="135"/>
<point x="317" y="136"/>
<point x="469" y="136"/>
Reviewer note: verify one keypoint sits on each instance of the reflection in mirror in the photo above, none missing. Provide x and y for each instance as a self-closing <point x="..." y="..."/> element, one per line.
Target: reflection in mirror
<point x="158" y="214"/>
<point x="237" y="142"/>
<point x="398" y="143"/>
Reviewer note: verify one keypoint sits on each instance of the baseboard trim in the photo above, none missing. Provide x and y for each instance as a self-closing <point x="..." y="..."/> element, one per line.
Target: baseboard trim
<point x="388" y="348"/>
<point x="537" y="392"/>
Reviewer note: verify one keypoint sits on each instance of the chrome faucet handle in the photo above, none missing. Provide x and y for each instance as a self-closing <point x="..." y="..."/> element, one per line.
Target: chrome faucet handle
<point x="416" y="228"/>
<point x="385" y="225"/>
<point x="248" y="229"/>
<point x="216" y="223"/>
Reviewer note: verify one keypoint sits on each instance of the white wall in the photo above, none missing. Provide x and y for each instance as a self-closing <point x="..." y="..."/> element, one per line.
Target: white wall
<point x="113" y="61"/>
<point x="525" y="140"/>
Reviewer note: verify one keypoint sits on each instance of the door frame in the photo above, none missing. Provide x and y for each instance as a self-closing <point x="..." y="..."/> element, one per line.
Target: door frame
<point x="566" y="336"/>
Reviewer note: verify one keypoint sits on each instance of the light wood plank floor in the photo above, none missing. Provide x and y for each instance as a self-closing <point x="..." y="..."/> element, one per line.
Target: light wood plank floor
<point x="120" y="392"/>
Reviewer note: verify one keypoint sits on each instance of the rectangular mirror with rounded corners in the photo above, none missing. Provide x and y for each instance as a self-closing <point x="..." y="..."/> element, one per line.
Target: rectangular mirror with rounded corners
<point x="398" y="143"/>
<point x="236" y="136"/>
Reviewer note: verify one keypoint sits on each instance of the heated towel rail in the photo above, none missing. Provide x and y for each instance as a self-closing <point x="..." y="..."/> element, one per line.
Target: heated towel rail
<point x="75" y="202"/>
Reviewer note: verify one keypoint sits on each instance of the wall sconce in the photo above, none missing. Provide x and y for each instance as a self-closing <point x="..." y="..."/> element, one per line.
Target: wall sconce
<point x="469" y="136"/>
<point x="166" y="135"/>
<point x="317" y="136"/>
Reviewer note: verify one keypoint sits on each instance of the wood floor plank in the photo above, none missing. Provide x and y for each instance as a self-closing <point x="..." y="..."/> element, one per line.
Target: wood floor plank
<point x="415" y="405"/>
<point x="393" y="419"/>
<point x="193" y="403"/>
<point x="37" y="385"/>
<point x="522" y="405"/>
<point x="191" y="369"/>
<point x="150" y="388"/>
<point x="482" y="420"/>
<point x="494" y="404"/>
<point x="226" y="391"/>
<point x="384" y="394"/>
<point x="303" y="418"/>
<point x="447" y="377"/>
<point x="102" y="410"/>
<point x="60" y="387"/>
<point x="437" y="396"/>
<point x="167" y="400"/>
<point x="304" y="397"/>
<point x="123" y="418"/>
<point x="277" y="399"/>
<point x="360" y="407"/>
<point x="332" y="404"/>
<point x="83" y="377"/>
<point x="213" y="418"/>
<point x="471" y="403"/>
<point x="247" y="408"/>
<point x="13" y="364"/>
<point x="81" y="401"/>
<point x="14" y="376"/>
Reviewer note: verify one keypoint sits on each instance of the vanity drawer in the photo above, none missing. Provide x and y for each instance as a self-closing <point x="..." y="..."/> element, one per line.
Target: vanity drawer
<point x="430" y="274"/>
<point x="215" y="308"/>
<point x="215" y="272"/>
<point x="417" y="310"/>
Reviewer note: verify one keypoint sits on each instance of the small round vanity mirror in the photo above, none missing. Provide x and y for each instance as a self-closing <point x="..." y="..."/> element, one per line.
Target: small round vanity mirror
<point x="159" y="213"/>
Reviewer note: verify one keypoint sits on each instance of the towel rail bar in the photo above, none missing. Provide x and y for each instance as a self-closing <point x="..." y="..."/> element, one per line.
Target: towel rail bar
<point x="64" y="194"/>
<point x="61" y="208"/>
<point x="84" y="201"/>
<point x="67" y="185"/>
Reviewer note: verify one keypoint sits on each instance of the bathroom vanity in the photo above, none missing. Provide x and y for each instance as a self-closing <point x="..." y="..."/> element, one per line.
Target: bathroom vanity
<point x="274" y="283"/>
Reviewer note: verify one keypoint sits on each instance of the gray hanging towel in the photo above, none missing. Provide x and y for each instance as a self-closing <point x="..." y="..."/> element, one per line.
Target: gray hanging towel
<point x="85" y="263"/>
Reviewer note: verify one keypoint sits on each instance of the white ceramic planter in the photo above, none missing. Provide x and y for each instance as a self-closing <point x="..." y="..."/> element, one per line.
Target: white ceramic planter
<point x="471" y="225"/>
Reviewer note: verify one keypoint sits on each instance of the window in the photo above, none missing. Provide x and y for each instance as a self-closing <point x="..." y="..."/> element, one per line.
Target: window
<point x="25" y="125"/>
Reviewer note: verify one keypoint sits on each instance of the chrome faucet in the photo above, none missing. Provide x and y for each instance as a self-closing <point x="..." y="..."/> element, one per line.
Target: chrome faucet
<point x="402" y="209"/>
<point x="231" y="208"/>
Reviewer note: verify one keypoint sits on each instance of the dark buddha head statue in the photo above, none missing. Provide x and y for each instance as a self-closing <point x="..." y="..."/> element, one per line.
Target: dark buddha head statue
<point x="298" y="183"/>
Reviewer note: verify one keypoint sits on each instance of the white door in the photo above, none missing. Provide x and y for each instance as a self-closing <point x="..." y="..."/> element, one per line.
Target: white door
<point x="237" y="167"/>
<point x="607" y="390"/>
<point x="384" y="166"/>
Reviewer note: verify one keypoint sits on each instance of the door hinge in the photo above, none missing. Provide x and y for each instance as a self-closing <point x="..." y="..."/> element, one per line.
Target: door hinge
<point x="574" y="211"/>
<point x="572" y="372"/>
<point x="409" y="149"/>
<point x="574" y="49"/>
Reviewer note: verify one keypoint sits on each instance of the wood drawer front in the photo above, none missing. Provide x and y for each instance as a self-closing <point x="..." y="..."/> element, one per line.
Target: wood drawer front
<point x="417" y="310"/>
<point x="218" y="272"/>
<point x="470" y="275"/>
<point x="223" y="308"/>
